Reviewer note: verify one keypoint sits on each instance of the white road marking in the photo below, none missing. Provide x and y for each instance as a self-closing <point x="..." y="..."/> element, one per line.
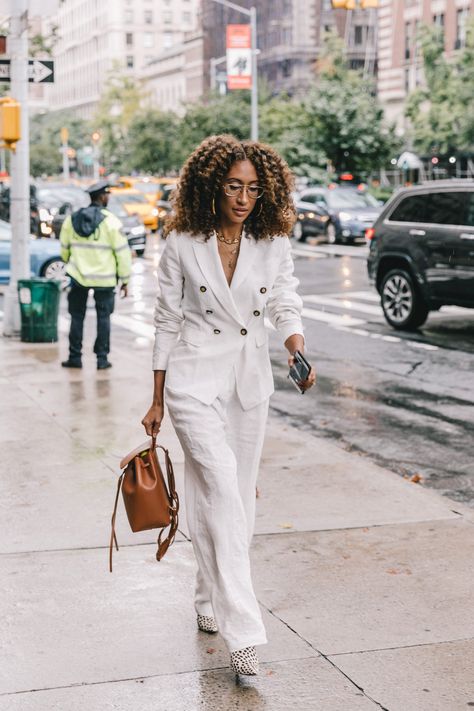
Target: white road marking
<point x="333" y="319"/>
<point x="307" y="253"/>
<point x="344" y="302"/>
<point x="388" y="339"/>
<point x="334" y="250"/>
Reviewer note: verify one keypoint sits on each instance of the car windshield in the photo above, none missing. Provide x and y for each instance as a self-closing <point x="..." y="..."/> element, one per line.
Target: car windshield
<point x="131" y="198"/>
<point x="340" y="199"/>
<point x="146" y="187"/>
<point x="55" y="197"/>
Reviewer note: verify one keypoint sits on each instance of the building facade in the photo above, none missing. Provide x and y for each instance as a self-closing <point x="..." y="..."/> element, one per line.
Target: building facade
<point x="400" y="65"/>
<point x="95" y="36"/>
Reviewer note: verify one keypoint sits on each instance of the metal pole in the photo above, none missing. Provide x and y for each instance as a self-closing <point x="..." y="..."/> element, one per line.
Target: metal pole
<point x="20" y="168"/>
<point x="65" y="149"/>
<point x="254" y="95"/>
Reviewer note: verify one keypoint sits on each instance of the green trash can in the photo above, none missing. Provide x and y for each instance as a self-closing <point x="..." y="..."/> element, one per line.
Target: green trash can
<point x="39" y="306"/>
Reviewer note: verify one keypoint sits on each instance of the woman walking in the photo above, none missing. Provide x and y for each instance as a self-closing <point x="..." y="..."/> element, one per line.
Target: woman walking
<point x="226" y="265"/>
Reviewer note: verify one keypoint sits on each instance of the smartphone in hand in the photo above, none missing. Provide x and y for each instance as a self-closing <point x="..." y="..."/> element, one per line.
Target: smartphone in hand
<point x="299" y="371"/>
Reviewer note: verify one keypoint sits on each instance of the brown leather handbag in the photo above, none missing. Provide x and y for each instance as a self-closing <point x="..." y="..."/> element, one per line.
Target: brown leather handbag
<point x="149" y="502"/>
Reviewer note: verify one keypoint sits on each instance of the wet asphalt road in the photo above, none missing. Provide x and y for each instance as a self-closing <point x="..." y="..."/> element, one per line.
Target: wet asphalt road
<point x="403" y="399"/>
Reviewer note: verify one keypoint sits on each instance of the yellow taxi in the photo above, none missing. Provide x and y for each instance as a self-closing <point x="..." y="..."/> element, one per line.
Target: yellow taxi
<point x="147" y="185"/>
<point x="135" y="202"/>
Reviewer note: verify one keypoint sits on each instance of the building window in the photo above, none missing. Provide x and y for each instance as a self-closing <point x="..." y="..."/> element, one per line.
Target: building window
<point x="327" y="5"/>
<point x="129" y="39"/>
<point x="167" y="18"/>
<point x="130" y="62"/>
<point x="148" y="17"/>
<point x="148" y="39"/>
<point x="128" y="16"/>
<point x="187" y="17"/>
<point x="408" y="39"/>
<point x="461" y="19"/>
<point x="167" y="40"/>
<point x="438" y="21"/>
<point x="359" y="34"/>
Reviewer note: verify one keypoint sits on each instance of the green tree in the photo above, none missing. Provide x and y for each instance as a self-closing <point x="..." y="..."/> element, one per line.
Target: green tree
<point x="45" y="140"/>
<point x="153" y="140"/>
<point x="442" y="112"/>
<point x="345" y="122"/>
<point x="118" y="106"/>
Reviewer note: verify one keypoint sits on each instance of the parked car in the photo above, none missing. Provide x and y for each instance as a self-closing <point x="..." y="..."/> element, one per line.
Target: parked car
<point x="132" y="227"/>
<point x="58" y="200"/>
<point x="422" y="251"/>
<point x="351" y="211"/>
<point x="164" y="205"/>
<point x="45" y="259"/>
<point x="312" y="220"/>
<point x="135" y="203"/>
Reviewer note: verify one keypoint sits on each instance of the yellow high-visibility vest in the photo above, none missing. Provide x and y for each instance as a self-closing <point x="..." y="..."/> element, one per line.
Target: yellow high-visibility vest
<point x="100" y="259"/>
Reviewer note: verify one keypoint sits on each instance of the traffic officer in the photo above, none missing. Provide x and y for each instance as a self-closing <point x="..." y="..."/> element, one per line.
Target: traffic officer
<point x="97" y="256"/>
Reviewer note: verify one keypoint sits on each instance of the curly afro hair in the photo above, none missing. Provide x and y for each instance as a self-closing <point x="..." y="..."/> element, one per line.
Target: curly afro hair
<point x="203" y="174"/>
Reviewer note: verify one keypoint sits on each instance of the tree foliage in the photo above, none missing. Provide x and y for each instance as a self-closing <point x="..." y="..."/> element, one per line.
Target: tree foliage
<point x="45" y="140"/>
<point x="442" y="112"/>
<point x="119" y="105"/>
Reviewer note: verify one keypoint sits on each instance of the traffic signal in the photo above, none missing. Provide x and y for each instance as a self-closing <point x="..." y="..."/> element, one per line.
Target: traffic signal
<point x="368" y="4"/>
<point x="10" y="121"/>
<point x="96" y="136"/>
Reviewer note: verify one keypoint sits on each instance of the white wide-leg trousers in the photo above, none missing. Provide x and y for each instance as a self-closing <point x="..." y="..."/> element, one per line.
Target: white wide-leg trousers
<point x="222" y="444"/>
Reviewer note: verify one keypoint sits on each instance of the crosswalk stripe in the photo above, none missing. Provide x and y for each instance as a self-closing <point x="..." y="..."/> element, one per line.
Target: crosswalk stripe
<point x="344" y="302"/>
<point x="333" y="319"/>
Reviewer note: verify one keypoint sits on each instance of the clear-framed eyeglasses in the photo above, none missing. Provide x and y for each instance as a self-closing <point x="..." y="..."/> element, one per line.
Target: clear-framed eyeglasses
<point x="232" y="189"/>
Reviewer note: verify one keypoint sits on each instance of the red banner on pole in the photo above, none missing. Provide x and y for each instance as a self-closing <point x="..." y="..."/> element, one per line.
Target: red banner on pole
<point x="239" y="57"/>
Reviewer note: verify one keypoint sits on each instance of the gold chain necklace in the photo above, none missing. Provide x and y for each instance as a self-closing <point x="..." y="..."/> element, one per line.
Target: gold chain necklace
<point x="221" y="238"/>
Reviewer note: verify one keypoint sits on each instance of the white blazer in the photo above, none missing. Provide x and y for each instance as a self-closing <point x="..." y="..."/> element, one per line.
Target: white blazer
<point x="204" y="328"/>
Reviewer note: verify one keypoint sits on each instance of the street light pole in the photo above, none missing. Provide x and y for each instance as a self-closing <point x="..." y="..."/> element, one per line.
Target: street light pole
<point x="19" y="168"/>
<point x="254" y="103"/>
<point x="252" y="13"/>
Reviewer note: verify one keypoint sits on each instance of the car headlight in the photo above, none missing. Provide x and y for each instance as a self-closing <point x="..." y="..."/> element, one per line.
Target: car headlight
<point x="345" y="216"/>
<point x="138" y="230"/>
<point x="45" y="215"/>
<point x="154" y="212"/>
<point x="162" y="212"/>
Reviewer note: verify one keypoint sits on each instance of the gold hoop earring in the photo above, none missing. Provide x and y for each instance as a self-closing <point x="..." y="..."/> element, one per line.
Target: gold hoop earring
<point x="213" y="206"/>
<point x="260" y="209"/>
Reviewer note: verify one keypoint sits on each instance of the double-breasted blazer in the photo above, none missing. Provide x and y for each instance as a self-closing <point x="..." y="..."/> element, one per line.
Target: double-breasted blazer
<point x="204" y="328"/>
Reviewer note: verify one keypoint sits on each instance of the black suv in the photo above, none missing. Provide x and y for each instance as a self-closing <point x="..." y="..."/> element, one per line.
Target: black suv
<point x="422" y="251"/>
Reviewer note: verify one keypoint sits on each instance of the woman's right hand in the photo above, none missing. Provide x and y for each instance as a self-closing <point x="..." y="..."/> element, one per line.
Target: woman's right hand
<point x="152" y="420"/>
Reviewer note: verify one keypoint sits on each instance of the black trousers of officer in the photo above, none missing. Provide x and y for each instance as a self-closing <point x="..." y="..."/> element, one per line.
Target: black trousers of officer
<point x="104" y="305"/>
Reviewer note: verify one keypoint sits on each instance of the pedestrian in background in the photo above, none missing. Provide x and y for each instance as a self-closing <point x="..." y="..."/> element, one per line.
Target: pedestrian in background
<point x="227" y="263"/>
<point x="97" y="256"/>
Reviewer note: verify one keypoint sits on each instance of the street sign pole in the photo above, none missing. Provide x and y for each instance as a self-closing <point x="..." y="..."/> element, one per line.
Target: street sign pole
<point x="252" y="13"/>
<point x="19" y="169"/>
<point x="254" y="96"/>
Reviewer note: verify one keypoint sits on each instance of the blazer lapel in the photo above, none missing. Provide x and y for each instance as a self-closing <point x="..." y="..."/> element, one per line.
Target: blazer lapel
<point x="247" y="255"/>
<point x="210" y="264"/>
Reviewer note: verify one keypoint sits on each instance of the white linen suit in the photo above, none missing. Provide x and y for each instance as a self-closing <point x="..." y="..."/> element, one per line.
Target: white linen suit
<point x="212" y="342"/>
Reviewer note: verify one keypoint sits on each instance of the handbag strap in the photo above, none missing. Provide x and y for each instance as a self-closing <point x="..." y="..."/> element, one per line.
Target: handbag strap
<point x="113" y="537"/>
<point x="163" y="545"/>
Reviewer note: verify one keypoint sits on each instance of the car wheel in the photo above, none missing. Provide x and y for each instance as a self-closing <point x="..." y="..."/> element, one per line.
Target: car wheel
<point x="56" y="269"/>
<point x="402" y="304"/>
<point x="298" y="232"/>
<point x="139" y="252"/>
<point x="331" y="235"/>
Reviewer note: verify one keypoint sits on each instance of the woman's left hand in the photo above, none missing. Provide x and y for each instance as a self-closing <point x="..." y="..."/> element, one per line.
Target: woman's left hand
<point x="310" y="380"/>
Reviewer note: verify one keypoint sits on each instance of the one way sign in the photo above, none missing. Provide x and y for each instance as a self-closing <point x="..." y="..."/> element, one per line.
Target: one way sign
<point x="39" y="71"/>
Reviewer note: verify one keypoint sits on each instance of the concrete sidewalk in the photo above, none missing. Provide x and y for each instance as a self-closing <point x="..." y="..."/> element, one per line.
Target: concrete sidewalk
<point x="365" y="580"/>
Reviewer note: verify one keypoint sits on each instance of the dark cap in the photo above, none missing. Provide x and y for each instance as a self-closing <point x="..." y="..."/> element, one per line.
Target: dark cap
<point x="101" y="187"/>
